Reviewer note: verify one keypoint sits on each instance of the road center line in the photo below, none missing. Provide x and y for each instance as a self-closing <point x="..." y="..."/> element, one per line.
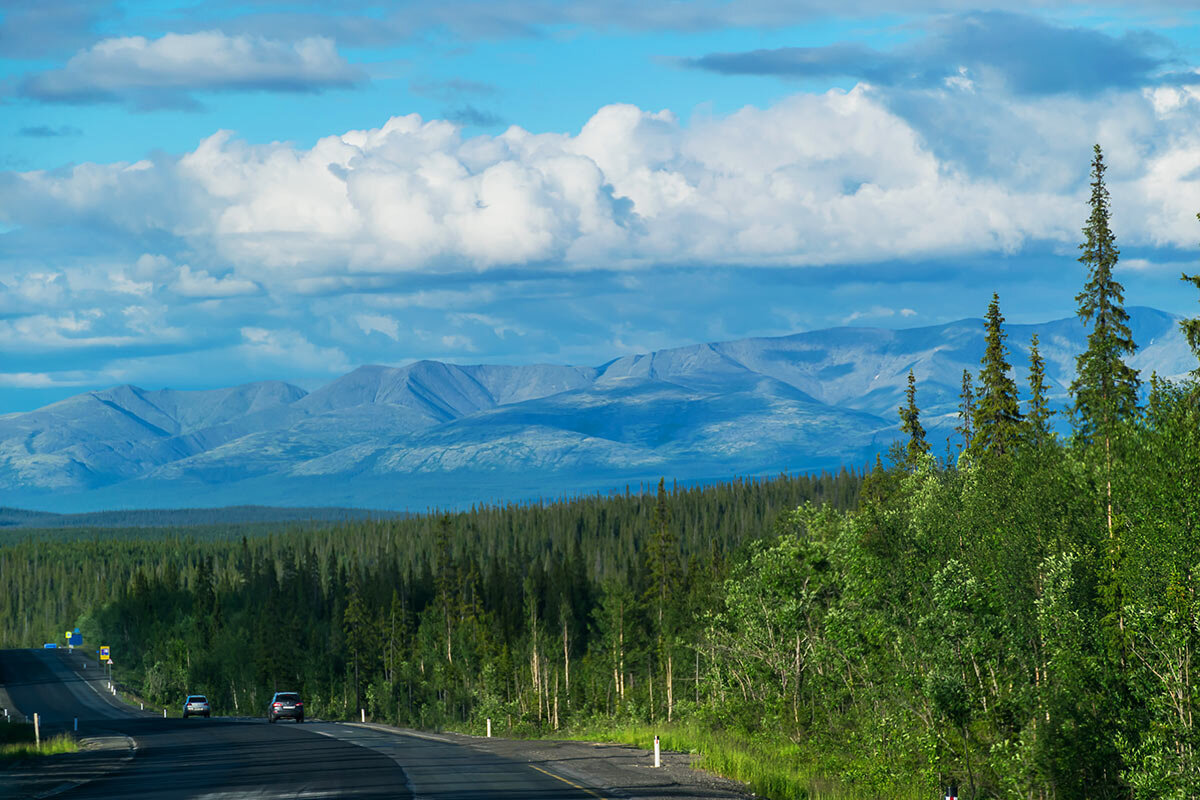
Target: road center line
<point x="569" y="783"/>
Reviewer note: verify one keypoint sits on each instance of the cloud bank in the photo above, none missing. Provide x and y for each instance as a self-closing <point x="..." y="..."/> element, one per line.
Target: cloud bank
<point x="1021" y="54"/>
<point x="163" y="72"/>
<point x="411" y="240"/>
<point x="823" y="179"/>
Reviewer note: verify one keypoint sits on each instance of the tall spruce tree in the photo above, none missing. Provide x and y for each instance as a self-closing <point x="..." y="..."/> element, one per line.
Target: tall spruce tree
<point x="997" y="412"/>
<point x="1039" y="414"/>
<point x="966" y="409"/>
<point x="910" y="423"/>
<point x="1105" y="387"/>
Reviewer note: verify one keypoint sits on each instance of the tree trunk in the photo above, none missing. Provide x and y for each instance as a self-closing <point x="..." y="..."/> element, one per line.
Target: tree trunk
<point x="566" y="666"/>
<point x="670" y="685"/>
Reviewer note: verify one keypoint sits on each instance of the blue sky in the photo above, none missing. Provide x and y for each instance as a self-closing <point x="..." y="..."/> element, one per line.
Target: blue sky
<point x="197" y="195"/>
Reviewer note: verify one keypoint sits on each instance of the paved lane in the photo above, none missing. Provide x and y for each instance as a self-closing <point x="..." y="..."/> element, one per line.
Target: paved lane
<point x="227" y="758"/>
<point x="439" y="769"/>
<point x="43" y="681"/>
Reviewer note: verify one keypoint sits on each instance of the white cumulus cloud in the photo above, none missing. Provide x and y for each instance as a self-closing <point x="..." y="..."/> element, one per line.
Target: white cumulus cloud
<point x="370" y="323"/>
<point x="842" y="177"/>
<point x="199" y="283"/>
<point x="290" y="350"/>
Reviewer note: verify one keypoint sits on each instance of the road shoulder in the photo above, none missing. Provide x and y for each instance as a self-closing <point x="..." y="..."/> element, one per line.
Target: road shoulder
<point x="611" y="770"/>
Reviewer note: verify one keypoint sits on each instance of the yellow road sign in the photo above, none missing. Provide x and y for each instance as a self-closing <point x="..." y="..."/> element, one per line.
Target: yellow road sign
<point x="104" y="653"/>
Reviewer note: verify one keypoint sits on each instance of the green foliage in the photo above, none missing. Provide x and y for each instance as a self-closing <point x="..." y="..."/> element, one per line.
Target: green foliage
<point x="1038" y="417"/>
<point x="19" y="744"/>
<point x="1105" y="387"/>
<point x="966" y="409"/>
<point x="997" y="414"/>
<point x="910" y="423"/>
<point x="1191" y="327"/>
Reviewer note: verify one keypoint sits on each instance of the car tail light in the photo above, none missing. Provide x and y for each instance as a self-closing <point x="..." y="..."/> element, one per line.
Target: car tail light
<point x="299" y="705"/>
<point x="278" y="705"/>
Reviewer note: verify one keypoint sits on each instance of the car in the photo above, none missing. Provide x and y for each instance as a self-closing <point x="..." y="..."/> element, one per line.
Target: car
<point x="196" y="705"/>
<point x="285" y="704"/>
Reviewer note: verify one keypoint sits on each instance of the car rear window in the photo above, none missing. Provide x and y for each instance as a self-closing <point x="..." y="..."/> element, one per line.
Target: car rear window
<point x="197" y="698"/>
<point x="288" y="698"/>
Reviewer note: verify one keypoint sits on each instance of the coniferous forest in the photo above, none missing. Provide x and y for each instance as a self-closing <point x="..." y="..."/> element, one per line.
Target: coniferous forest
<point x="1019" y="618"/>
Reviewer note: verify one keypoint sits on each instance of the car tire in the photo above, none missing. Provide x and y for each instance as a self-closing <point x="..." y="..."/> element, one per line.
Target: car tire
<point x="271" y="720"/>
<point x="299" y="720"/>
<point x="185" y="715"/>
<point x="206" y="714"/>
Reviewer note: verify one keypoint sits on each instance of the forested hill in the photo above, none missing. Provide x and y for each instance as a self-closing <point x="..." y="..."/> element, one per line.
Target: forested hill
<point x="175" y="596"/>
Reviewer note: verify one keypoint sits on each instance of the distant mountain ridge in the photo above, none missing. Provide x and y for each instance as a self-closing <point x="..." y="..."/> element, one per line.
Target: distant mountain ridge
<point x="435" y="434"/>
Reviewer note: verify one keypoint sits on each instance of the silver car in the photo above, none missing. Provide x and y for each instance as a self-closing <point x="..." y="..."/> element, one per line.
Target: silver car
<point x="196" y="705"/>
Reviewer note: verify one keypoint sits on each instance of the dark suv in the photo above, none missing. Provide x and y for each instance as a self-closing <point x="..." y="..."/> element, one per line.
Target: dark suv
<point x="285" y="704"/>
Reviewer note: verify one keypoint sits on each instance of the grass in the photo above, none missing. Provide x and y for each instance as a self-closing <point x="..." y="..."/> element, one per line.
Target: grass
<point x="779" y="769"/>
<point x="17" y="741"/>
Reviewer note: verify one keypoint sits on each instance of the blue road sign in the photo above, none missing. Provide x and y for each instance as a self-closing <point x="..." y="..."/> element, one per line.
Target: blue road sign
<point x="75" y="640"/>
<point x="50" y="646"/>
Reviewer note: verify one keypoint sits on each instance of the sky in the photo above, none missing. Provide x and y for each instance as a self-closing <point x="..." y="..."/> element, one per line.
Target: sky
<point x="196" y="195"/>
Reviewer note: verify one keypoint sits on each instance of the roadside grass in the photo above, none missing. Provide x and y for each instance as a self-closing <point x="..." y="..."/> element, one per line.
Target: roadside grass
<point x="779" y="769"/>
<point x="17" y="741"/>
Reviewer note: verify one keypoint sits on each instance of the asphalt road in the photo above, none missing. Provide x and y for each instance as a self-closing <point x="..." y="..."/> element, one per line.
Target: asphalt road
<point x="228" y="758"/>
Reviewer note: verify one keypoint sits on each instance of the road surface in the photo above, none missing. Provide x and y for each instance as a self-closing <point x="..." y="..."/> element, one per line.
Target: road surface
<point x="220" y="758"/>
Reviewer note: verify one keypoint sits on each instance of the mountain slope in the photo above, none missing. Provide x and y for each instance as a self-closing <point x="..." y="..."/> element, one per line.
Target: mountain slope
<point x="427" y="432"/>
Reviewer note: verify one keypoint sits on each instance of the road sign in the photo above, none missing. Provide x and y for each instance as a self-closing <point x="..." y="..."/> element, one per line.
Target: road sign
<point x="51" y="645"/>
<point x="104" y="653"/>
<point x="75" y="640"/>
<point x="68" y="634"/>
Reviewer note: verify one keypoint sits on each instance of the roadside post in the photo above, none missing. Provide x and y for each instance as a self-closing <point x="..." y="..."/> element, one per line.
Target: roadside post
<point x="657" y="753"/>
<point x="489" y="727"/>
<point x="37" y="731"/>
<point x="952" y="791"/>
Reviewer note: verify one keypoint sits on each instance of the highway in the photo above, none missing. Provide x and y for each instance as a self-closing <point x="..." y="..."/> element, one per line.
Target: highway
<point x="248" y="758"/>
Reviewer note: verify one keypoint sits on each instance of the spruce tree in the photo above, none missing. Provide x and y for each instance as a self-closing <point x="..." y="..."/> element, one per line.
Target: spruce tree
<point x="910" y="423"/>
<point x="997" y="412"/>
<point x="1039" y="414"/>
<point x="966" y="409"/>
<point x="1105" y="388"/>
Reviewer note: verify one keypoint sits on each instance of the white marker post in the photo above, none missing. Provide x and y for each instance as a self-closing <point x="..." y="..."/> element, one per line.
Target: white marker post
<point x="164" y="713"/>
<point x="657" y="756"/>
<point x="37" y="731"/>
<point x="489" y="729"/>
<point x="363" y="712"/>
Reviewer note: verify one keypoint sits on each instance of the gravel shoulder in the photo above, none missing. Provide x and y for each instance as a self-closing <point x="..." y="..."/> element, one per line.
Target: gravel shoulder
<point x="608" y="770"/>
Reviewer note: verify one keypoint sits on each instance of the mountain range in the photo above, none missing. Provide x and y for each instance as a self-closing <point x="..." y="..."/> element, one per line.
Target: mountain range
<point x="431" y="434"/>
